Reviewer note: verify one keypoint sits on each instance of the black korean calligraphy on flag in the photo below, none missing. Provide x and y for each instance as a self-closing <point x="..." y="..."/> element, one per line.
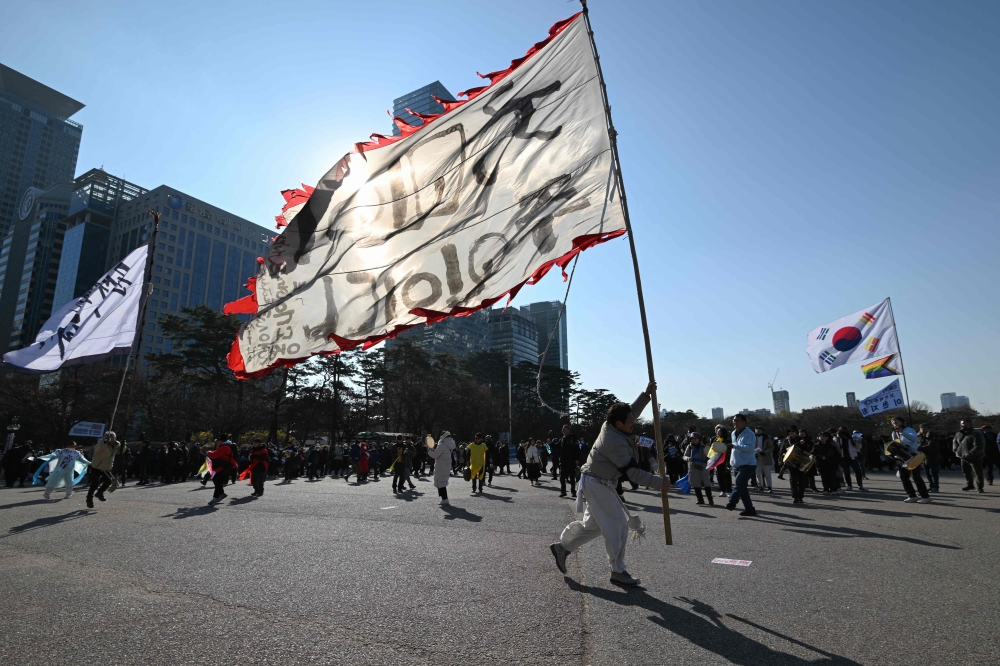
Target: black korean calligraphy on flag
<point x="101" y="323"/>
<point x="445" y="219"/>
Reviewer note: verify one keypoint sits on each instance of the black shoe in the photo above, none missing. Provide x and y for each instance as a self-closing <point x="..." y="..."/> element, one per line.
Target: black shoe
<point x="413" y="487"/>
<point x="981" y="490"/>
<point x="90" y="502"/>
<point x="562" y="494"/>
<point x="100" y="496"/>
<point x="730" y="507"/>
<point x="559" y="552"/>
<point x="969" y="488"/>
<point x="748" y="514"/>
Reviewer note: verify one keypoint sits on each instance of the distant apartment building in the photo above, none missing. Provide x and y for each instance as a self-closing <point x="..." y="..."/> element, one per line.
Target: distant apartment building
<point x="852" y="401"/>
<point x="718" y="414"/>
<point x="39" y="144"/>
<point x="781" y="402"/>
<point x="952" y="401"/>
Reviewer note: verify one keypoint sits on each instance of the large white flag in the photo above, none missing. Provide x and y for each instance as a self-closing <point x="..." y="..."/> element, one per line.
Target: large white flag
<point x="445" y="219"/>
<point x="101" y="323"/>
<point x="857" y="337"/>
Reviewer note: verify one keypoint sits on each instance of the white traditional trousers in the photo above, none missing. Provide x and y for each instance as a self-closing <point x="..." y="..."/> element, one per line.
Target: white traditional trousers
<point x="605" y="515"/>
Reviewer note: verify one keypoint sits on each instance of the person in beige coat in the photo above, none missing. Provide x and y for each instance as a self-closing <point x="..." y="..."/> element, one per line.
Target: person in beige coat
<point x="100" y="467"/>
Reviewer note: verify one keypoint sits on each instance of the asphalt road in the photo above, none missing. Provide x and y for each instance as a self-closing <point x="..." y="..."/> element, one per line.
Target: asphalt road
<point x="332" y="573"/>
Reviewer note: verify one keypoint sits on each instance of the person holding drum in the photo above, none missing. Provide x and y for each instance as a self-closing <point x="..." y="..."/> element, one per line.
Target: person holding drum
<point x="907" y="439"/>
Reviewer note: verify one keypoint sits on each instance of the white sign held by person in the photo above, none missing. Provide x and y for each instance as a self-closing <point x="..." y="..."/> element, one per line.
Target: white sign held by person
<point x="101" y="323"/>
<point x="87" y="429"/>
<point x="890" y="397"/>
<point x="646" y="442"/>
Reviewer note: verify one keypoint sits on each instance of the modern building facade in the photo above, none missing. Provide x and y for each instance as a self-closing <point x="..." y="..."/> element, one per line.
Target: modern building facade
<point x="952" y="401"/>
<point x="29" y="264"/>
<point x="718" y="414"/>
<point x="93" y="207"/>
<point x="513" y="335"/>
<point x="203" y="254"/>
<point x="781" y="402"/>
<point x="422" y="101"/>
<point x="852" y="400"/>
<point x="39" y="143"/>
<point x="459" y="336"/>
<point x="545" y="316"/>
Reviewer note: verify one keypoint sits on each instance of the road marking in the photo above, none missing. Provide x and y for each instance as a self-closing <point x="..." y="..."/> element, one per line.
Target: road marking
<point x="735" y="563"/>
<point x="388" y="507"/>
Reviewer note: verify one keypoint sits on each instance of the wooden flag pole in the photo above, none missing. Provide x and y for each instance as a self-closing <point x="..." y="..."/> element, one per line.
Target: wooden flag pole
<point x="613" y="136"/>
<point x="148" y="286"/>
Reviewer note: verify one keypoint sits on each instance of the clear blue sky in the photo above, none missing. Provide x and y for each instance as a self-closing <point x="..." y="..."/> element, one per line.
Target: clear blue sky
<point x="786" y="163"/>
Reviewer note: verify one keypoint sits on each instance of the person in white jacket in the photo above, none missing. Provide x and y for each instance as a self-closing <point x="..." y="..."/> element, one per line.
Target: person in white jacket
<point x="441" y="454"/>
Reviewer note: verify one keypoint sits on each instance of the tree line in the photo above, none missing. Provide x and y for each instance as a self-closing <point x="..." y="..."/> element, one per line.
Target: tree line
<point x="394" y="388"/>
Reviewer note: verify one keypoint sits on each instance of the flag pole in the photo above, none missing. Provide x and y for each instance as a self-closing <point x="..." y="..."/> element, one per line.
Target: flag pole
<point x="613" y="136"/>
<point x="902" y="366"/>
<point x="147" y="280"/>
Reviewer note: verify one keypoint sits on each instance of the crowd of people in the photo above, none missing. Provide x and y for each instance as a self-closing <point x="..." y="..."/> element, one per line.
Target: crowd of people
<point x="840" y="461"/>
<point x="594" y="474"/>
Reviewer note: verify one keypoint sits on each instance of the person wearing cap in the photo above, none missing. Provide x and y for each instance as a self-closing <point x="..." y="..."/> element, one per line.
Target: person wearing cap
<point x="991" y="456"/>
<point x="970" y="447"/>
<point x="849" y="458"/>
<point x="614" y="454"/>
<point x="696" y="456"/>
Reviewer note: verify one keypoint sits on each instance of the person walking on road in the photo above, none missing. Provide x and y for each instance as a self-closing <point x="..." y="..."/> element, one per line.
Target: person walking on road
<point x="696" y="456"/>
<point x="224" y="459"/>
<point x="477" y="462"/>
<point x="765" y="460"/>
<point x="991" y="455"/>
<point x="613" y="455"/>
<point x="533" y="461"/>
<point x="744" y="462"/>
<point x="970" y="448"/>
<point x="102" y="461"/>
<point x="568" y="457"/>
<point x="441" y="455"/>
<point x="907" y="437"/>
<point x="928" y="445"/>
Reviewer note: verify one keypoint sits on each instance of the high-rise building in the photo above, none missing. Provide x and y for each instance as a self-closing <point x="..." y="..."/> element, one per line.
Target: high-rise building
<point x="952" y="401"/>
<point x="203" y="255"/>
<point x="718" y="414"/>
<point x="29" y="264"/>
<point x="38" y="142"/>
<point x="781" y="402"/>
<point x="93" y="206"/>
<point x="852" y="400"/>
<point x="513" y="335"/>
<point x="459" y="336"/>
<point x="422" y="101"/>
<point x="545" y="315"/>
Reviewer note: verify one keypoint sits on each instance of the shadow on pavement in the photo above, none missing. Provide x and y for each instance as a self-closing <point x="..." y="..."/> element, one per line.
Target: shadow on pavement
<point x="48" y="521"/>
<point x="687" y="513"/>
<point x="190" y="512"/>
<point x="702" y="626"/>
<point x="28" y="503"/>
<point x="455" y="513"/>
<point x="849" y="532"/>
<point x="242" y="500"/>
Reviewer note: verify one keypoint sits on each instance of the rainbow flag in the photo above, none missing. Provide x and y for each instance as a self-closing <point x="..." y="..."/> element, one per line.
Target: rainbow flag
<point x="880" y="368"/>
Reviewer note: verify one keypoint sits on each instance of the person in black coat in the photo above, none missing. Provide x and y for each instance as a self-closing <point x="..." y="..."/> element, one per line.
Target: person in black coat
<point x="569" y="458"/>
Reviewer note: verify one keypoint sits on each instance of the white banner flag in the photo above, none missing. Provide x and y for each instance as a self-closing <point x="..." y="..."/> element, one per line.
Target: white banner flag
<point x="890" y="397"/>
<point x="87" y="429"/>
<point x="857" y="337"/>
<point x="445" y="219"/>
<point x="101" y="323"/>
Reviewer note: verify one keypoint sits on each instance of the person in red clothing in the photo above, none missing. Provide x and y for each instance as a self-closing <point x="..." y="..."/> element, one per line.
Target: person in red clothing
<point x="224" y="459"/>
<point x="363" y="464"/>
<point x="257" y="471"/>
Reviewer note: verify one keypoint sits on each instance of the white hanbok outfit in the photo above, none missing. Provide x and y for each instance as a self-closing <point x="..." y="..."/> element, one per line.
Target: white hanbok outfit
<point x="442" y="460"/>
<point x="61" y="471"/>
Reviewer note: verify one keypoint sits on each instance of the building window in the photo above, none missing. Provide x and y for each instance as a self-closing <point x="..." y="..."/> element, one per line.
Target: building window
<point x="156" y="280"/>
<point x="170" y="260"/>
<point x="174" y="216"/>
<point x="225" y="235"/>
<point x="158" y="268"/>
<point x="184" y="219"/>
<point x="180" y="256"/>
<point x="201" y="224"/>
<point x="156" y="292"/>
